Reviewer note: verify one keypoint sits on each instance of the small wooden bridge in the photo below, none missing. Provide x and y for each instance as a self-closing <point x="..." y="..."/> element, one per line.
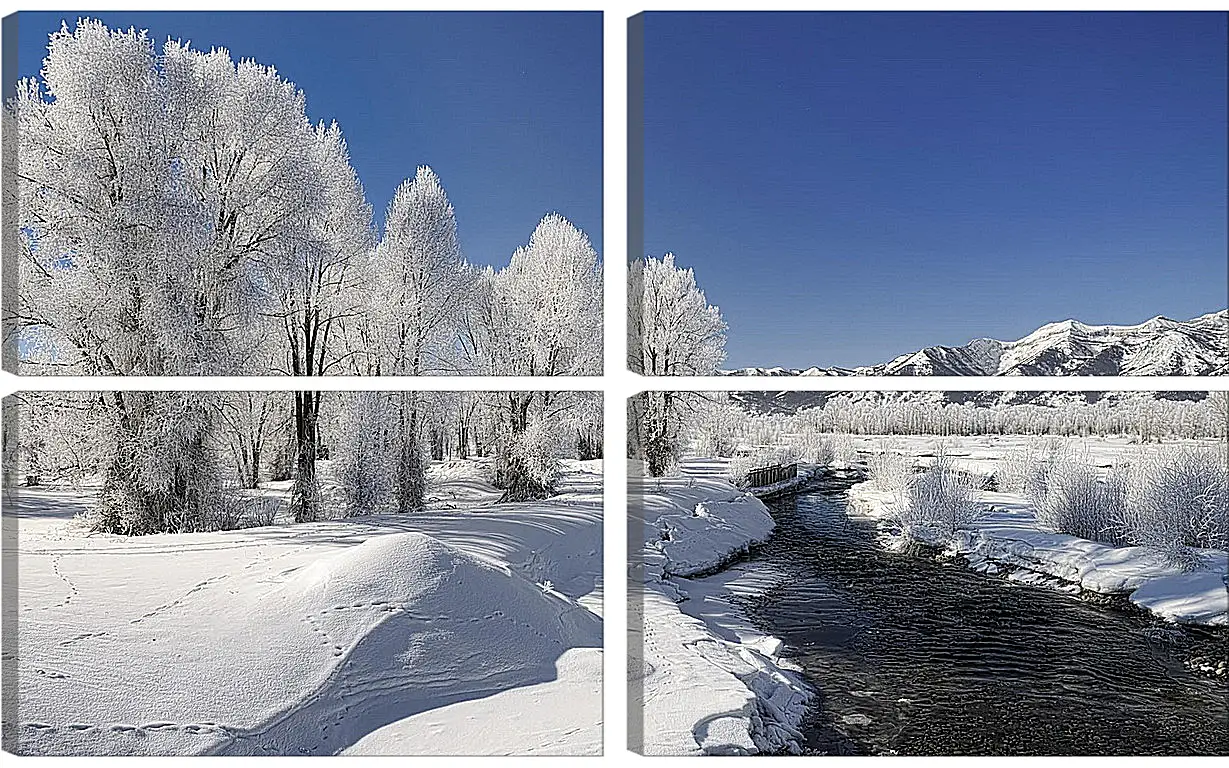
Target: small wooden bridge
<point x="761" y="477"/>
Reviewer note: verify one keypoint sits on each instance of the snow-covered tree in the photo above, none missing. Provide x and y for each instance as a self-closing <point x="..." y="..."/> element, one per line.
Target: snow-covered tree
<point x="319" y="281"/>
<point x="423" y="286"/>
<point x="365" y="454"/>
<point x="422" y="280"/>
<point x="662" y="423"/>
<point x="546" y="315"/>
<point x="542" y="317"/>
<point x="150" y="187"/>
<point x="672" y="329"/>
<point x="161" y="476"/>
<point x="248" y="422"/>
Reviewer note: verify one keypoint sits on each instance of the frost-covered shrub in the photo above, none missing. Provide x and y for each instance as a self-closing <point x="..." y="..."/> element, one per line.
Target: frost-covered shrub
<point x="226" y="513"/>
<point x="815" y="449"/>
<point x="1027" y="471"/>
<point x="740" y="467"/>
<point x="844" y="452"/>
<point x="888" y="470"/>
<point x="366" y="456"/>
<point x="939" y="497"/>
<point x="261" y="511"/>
<point x="1014" y="469"/>
<point x="1077" y="501"/>
<point x="527" y="465"/>
<point x="1177" y="502"/>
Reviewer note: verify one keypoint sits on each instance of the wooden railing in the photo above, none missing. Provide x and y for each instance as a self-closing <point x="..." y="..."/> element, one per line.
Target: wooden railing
<point x="765" y="476"/>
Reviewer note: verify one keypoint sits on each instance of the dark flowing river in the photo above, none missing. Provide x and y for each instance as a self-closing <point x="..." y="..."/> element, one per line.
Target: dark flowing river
<point x="914" y="655"/>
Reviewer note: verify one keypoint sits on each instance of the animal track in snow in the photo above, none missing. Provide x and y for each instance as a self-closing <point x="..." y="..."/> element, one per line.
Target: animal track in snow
<point x="158" y="726"/>
<point x="179" y="600"/>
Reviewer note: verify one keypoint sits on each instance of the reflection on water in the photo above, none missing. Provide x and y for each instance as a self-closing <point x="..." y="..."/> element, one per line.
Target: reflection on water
<point x="913" y="655"/>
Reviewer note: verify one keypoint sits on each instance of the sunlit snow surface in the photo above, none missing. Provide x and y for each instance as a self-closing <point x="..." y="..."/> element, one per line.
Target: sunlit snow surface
<point x="1008" y="535"/>
<point x="387" y="634"/>
<point x="704" y="681"/>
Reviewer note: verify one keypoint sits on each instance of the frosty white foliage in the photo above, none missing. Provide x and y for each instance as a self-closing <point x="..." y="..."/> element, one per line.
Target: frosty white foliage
<point x="888" y="469"/>
<point x="672" y="330"/>
<point x="61" y="437"/>
<point x="545" y="310"/>
<point x="1178" y="501"/>
<point x="177" y="213"/>
<point x="160" y="475"/>
<point x="366" y="452"/>
<point x="1145" y="419"/>
<point x="538" y="450"/>
<point x="1028" y="470"/>
<point x="718" y="428"/>
<point x="152" y="188"/>
<point x="423" y="285"/>
<point x="939" y="497"/>
<point x="1075" y="499"/>
<point x="815" y="449"/>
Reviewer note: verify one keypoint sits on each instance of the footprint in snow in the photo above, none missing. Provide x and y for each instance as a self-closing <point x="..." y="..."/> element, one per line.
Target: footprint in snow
<point x="161" y="725"/>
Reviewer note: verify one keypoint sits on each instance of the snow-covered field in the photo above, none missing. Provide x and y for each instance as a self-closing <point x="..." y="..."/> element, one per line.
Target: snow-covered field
<point x="385" y="634"/>
<point x="708" y="683"/>
<point x="1008" y="538"/>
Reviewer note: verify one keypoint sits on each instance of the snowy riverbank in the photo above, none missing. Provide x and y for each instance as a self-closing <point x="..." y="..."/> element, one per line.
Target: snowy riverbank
<point x="707" y="683"/>
<point x="1008" y="539"/>
<point x="390" y="634"/>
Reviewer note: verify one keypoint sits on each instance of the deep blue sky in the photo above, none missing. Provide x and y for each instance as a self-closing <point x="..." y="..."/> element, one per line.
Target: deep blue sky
<point x="850" y="187"/>
<point x="506" y="107"/>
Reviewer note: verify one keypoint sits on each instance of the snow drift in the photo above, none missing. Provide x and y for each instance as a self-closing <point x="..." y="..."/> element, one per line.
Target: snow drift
<point x="350" y="642"/>
<point x="706" y="682"/>
<point x="368" y="635"/>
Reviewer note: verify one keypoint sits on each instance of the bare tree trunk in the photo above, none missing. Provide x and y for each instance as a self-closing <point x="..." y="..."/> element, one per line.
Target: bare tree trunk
<point x="304" y="496"/>
<point x="411" y="472"/>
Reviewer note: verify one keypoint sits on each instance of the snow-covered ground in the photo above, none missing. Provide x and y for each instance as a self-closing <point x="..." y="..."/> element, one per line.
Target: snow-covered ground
<point x="385" y="634"/>
<point x="707" y="683"/>
<point x="1008" y="538"/>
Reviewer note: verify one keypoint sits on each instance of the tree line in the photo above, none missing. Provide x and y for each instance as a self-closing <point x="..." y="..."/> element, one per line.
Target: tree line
<point x="182" y="461"/>
<point x="179" y="214"/>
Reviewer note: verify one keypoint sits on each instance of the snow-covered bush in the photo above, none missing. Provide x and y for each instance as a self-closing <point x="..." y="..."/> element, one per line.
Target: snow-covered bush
<point x="528" y="467"/>
<point x="1074" y="499"/>
<point x="1177" y="502"/>
<point x="888" y="470"/>
<point x="939" y="497"/>
<point x="227" y="513"/>
<point x="844" y="452"/>
<point x="261" y="511"/>
<point x="1027" y="471"/>
<point x="815" y="449"/>
<point x="366" y="455"/>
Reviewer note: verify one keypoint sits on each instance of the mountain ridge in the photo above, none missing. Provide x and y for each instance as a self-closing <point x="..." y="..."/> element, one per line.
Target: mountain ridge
<point x="1159" y="346"/>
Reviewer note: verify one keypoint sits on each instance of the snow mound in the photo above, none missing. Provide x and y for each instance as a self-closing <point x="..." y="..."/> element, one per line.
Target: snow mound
<point x="310" y="659"/>
<point x="715" y="532"/>
<point x="416" y="625"/>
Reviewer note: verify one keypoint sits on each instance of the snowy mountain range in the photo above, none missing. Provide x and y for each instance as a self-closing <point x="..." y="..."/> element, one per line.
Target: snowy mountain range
<point x="1158" y="347"/>
<point x="791" y="402"/>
